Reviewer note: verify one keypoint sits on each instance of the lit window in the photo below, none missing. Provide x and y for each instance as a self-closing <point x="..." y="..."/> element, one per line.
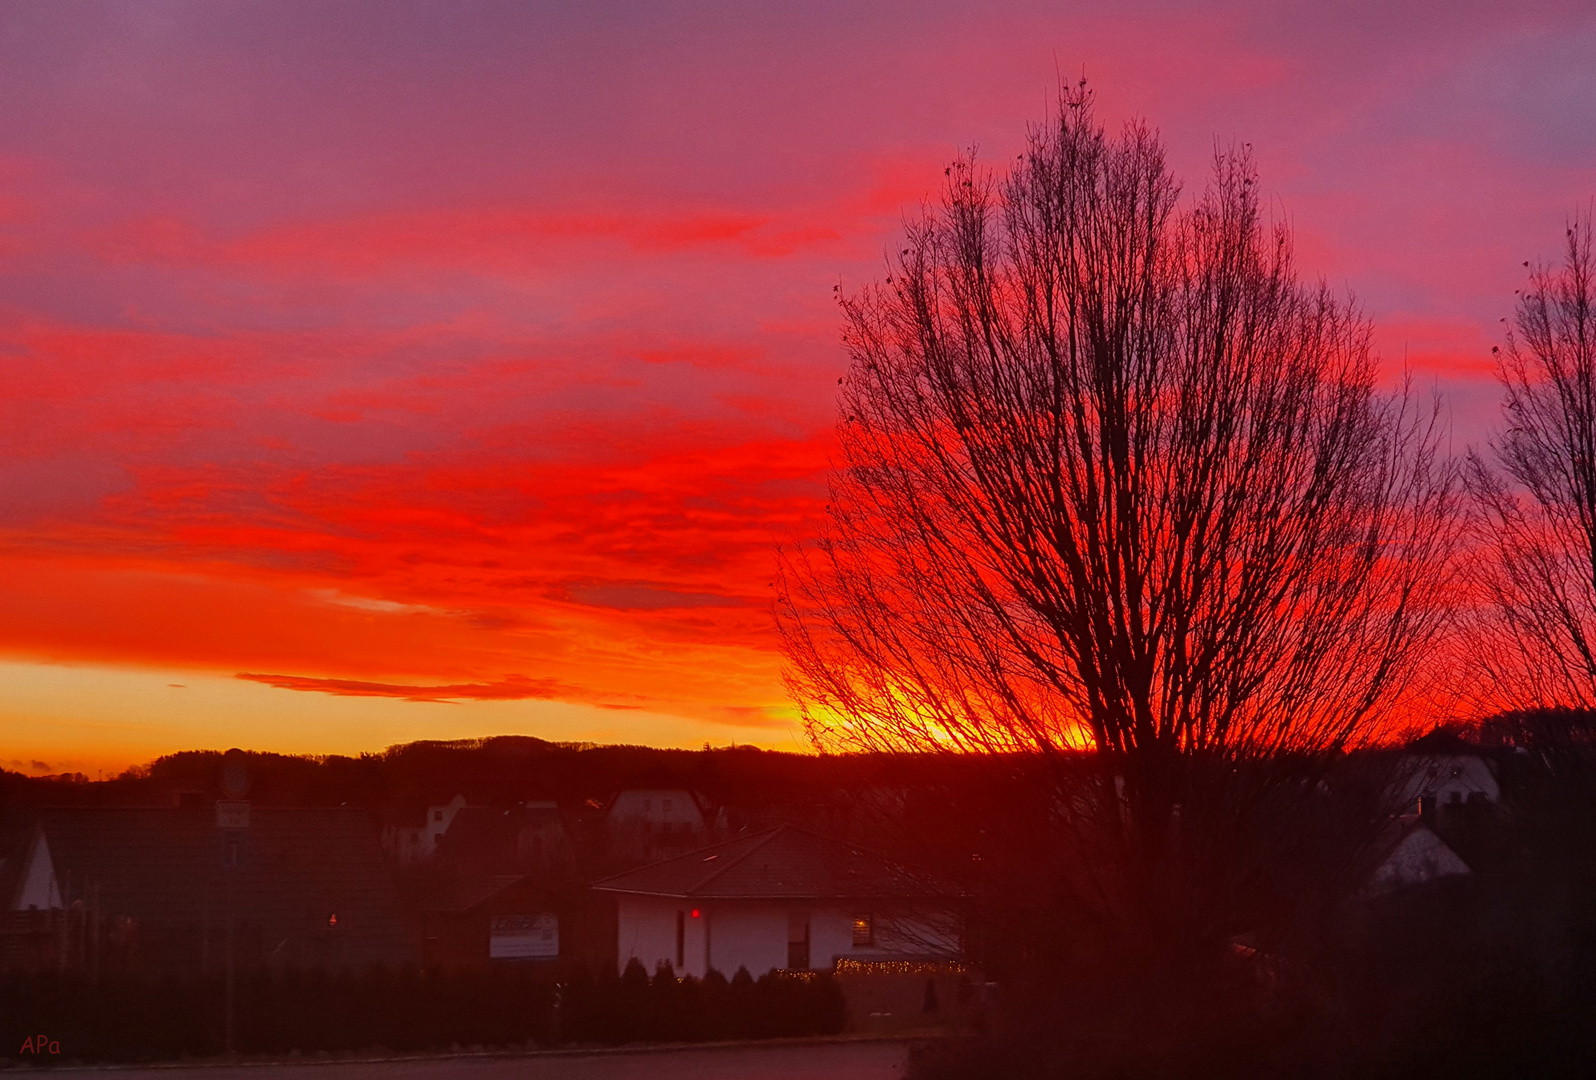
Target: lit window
<point x="332" y="920"/>
<point x="864" y="929"/>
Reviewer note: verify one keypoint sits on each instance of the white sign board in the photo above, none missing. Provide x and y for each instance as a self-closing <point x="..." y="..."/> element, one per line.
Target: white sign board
<point x="524" y="937"/>
<point x="232" y="814"/>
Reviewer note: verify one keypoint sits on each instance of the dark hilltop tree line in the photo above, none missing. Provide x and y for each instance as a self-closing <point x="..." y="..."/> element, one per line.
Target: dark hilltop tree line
<point x="497" y="771"/>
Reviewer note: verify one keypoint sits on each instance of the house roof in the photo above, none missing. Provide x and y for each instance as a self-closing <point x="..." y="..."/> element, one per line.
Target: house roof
<point x="785" y="862"/>
<point x="298" y="867"/>
<point x="487" y="840"/>
<point x="480" y="832"/>
<point x="464" y="895"/>
<point x="1405" y="852"/>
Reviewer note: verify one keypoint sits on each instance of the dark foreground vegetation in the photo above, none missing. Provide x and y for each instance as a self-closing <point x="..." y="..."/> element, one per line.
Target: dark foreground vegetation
<point x="129" y="1019"/>
<point x="1430" y="993"/>
<point x="1486" y="974"/>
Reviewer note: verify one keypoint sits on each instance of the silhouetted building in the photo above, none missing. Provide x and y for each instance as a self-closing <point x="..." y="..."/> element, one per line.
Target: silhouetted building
<point x="1442" y="772"/>
<point x="784" y="898"/>
<point x="650" y="822"/>
<point x="528" y="838"/>
<point x="158" y="888"/>
<point x="479" y="920"/>
<point x="411" y="835"/>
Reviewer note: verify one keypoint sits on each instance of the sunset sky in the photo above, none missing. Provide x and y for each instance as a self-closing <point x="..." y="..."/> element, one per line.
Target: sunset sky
<point x="387" y="371"/>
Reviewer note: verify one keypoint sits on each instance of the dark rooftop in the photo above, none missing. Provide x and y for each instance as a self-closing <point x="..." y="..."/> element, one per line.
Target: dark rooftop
<point x="464" y="895"/>
<point x="785" y="863"/>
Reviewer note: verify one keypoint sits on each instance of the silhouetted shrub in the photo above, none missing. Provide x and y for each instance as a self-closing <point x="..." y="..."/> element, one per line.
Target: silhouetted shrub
<point x="124" y="1019"/>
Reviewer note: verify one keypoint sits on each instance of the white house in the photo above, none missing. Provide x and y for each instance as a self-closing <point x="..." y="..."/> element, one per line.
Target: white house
<point x="783" y="898"/>
<point x="1441" y="771"/>
<point x="657" y="812"/>
<point x="36" y="888"/>
<point x="411" y="843"/>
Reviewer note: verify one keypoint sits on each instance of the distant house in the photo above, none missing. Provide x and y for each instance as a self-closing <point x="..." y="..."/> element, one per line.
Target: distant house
<point x="27" y="874"/>
<point x="155" y="889"/>
<point x="783" y="898"/>
<point x="657" y="812"/>
<point x="410" y="840"/>
<point x="650" y="822"/>
<point x="1442" y="771"/>
<point x="523" y="838"/>
<point x="1407" y="854"/>
<point x="477" y="921"/>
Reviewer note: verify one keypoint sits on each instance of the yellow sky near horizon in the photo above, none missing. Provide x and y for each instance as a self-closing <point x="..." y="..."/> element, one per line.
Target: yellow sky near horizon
<point x="101" y="719"/>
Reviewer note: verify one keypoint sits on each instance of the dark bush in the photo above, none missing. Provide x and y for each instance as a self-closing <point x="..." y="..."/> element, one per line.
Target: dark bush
<point x="126" y="1019"/>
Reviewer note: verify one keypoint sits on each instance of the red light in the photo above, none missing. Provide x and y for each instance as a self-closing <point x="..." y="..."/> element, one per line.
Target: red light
<point x="695" y="913"/>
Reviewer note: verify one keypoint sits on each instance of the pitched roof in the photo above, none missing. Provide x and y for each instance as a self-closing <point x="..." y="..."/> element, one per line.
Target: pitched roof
<point x="1406" y="852"/>
<point x="782" y="863"/>
<point x="1444" y="741"/>
<point x="464" y="895"/>
<point x="298" y="867"/>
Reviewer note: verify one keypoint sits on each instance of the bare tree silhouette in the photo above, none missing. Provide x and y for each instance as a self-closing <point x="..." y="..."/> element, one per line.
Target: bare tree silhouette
<point x="1535" y="496"/>
<point x="1117" y="492"/>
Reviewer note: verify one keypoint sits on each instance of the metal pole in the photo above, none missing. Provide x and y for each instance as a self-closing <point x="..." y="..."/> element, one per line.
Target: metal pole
<point x="228" y="1038"/>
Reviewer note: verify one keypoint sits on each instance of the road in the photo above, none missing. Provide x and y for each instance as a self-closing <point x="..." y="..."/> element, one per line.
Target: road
<point x="804" y="1061"/>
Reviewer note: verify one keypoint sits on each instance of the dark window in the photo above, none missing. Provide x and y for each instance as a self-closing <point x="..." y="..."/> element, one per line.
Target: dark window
<point x="681" y="938"/>
<point x="437" y="815"/>
<point x="864" y="929"/>
<point x="798" y="941"/>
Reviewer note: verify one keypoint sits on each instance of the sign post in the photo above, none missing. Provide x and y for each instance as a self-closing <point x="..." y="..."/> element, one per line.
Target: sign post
<point x="232" y="826"/>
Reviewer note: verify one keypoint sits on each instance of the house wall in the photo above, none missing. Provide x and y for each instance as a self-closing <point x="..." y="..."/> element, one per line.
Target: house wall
<point x="38" y="890"/>
<point x="657" y="810"/>
<point x="1449" y="778"/>
<point x="439" y="818"/>
<point x="730" y="934"/>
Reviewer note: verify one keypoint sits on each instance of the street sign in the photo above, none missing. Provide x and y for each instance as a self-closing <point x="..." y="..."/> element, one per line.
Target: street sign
<point x="232" y="814"/>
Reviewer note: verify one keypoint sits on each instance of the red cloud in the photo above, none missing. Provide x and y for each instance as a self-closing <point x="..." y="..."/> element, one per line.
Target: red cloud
<point x="514" y="688"/>
<point x="484" y="240"/>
